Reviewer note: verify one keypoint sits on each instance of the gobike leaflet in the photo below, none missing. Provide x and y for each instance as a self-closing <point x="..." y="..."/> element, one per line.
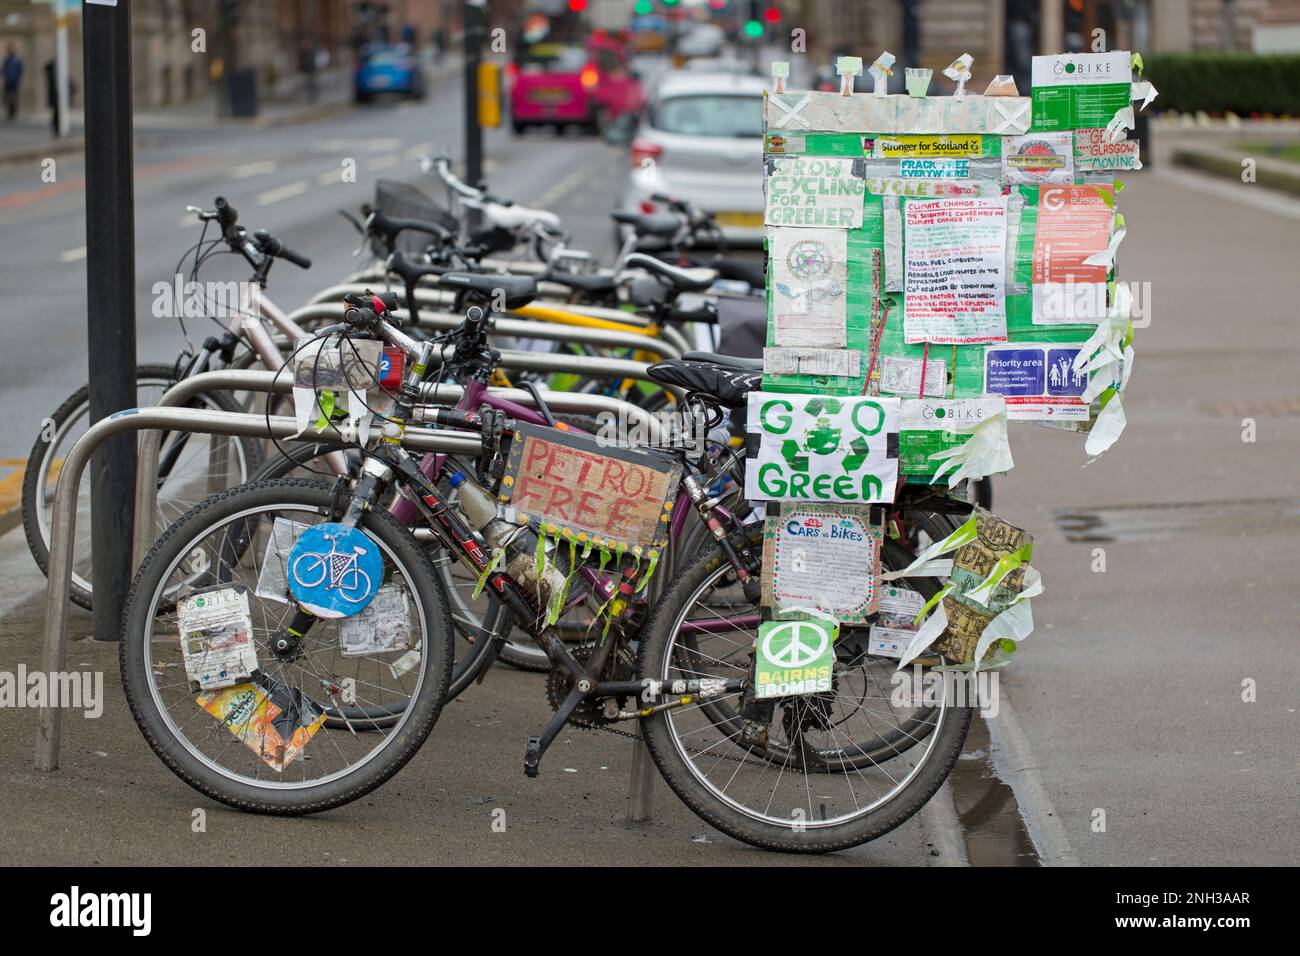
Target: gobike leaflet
<point x="216" y="635"/>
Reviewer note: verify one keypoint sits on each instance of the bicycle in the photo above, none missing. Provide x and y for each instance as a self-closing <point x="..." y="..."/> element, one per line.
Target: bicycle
<point x="672" y="673"/>
<point x="190" y="468"/>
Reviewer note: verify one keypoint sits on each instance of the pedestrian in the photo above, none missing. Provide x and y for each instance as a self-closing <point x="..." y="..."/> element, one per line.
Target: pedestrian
<point x="13" y="72"/>
<point x="52" y="95"/>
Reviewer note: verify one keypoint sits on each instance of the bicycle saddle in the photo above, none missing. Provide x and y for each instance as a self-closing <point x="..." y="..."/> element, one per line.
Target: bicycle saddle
<point x="730" y="385"/>
<point x="410" y="271"/>
<point x="736" y="362"/>
<point x="590" y="284"/>
<point x="683" y="280"/>
<point x="518" y="290"/>
<point x="649" y="224"/>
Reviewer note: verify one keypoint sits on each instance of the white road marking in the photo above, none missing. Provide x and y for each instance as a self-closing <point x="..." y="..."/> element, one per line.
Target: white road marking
<point x="415" y="152"/>
<point x="561" y="189"/>
<point x="260" y="168"/>
<point x="383" y="162"/>
<point x="283" y="192"/>
<point x="330" y="177"/>
<point x="73" y="255"/>
<point x="1014" y="763"/>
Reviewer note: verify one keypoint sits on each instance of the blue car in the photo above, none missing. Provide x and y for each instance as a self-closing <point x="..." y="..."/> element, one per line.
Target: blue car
<point x="389" y="69"/>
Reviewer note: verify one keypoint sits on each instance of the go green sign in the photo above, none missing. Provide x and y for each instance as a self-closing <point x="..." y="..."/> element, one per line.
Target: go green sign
<point x="823" y="448"/>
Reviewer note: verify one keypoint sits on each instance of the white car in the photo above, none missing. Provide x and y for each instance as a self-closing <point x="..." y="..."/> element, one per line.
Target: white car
<point x="700" y="139"/>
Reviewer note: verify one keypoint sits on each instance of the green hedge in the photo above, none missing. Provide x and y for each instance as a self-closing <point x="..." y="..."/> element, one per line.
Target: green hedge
<point x="1242" y="83"/>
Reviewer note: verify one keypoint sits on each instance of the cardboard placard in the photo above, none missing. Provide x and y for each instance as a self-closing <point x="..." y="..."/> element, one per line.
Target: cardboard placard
<point x="559" y="480"/>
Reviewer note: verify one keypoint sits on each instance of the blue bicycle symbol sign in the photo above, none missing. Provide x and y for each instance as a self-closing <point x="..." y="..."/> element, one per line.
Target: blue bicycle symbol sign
<point x="334" y="570"/>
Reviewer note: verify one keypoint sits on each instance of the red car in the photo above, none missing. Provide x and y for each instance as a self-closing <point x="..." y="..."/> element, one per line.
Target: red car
<point x="556" y="83"/>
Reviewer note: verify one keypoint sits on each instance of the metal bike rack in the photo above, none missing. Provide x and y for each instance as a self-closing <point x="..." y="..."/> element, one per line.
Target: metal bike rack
<point x="433" y="297"/>
<point x="332" y="312"/>
<point x="146" y="490"/>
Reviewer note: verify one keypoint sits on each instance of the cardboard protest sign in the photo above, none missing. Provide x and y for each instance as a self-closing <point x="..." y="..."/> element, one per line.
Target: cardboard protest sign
<point x="1074" y="224"/>
<point x="1079" y="90"/>
<point x="814" y="192"/>
<point x="572" y="482"/>
<point x="1037" y="380"/>
<point x="819" y="448"/>
<point x="996" y="542"/>
<point x="1095" y="153"/>
<point x="825" y="557"/>
<point x="809" y="279"/>
<point x="955" y="270"/>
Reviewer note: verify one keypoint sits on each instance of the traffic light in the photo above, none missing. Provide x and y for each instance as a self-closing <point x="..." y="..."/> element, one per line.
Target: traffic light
<point x="772" y="15"/>
<point x="643" y="7"/>
<point x="753" y="29"/>
<point x="577" y="6"/>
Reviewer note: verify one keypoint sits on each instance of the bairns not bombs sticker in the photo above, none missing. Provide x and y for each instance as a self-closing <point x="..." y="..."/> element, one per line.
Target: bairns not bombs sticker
<point x="794" y="657"/>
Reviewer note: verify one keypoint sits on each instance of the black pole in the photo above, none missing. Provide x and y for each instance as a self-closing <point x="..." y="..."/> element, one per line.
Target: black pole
<point x="474" y="21"/>
<point x="110" y="288"/>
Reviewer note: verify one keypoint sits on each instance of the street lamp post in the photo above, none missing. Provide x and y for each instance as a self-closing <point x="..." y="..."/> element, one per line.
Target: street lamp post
<point x="110" y="291"/>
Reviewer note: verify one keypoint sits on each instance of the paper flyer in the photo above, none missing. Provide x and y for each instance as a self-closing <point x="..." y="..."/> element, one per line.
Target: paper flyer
<point x="1037" y="380"/>
<point x="955" y="256"/>
<point x="906" y="377"/>
<point x="809" y="277"/>
<point x="384" y="626"/>
<point x="818" y="448"/>
<point x="216" y="635"/>
<point x="274" y="721"/>
<point x="1074" y="222"/>
<point x="928" y="426"/>
<point x="1079" y="90"/>
<point x="825" y="557"/>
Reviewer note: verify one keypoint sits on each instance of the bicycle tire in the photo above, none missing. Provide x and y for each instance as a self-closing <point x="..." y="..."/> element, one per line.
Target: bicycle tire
<point x="135" y="659"/>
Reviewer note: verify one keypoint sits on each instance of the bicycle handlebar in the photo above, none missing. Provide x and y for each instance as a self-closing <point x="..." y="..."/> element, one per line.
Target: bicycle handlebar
<point x="272" y="246"/>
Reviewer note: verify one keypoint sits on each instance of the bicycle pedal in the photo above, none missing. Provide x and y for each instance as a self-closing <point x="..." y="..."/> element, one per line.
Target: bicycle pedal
<point x="533" y="757"/>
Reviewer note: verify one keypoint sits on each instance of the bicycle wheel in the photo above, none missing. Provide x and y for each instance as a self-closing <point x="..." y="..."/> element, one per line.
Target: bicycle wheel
<point x="205" y="464"/>
<point x="312" y="709"/>
<point x="790" y="792"/>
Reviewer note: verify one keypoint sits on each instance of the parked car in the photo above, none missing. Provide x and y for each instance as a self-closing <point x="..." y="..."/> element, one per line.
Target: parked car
<point x="700" y="138"/>
<point x="391" y="69"/>
<point x="559" y="84"/>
